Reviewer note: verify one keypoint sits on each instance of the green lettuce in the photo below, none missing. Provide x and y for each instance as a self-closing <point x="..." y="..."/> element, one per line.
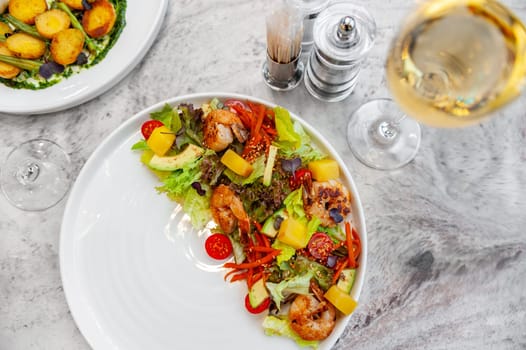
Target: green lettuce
<point x="140" y="145"/>
<point x="168" y="117"/>
<point x="336" y="232"/>
<point x="259" y="168"/>
<point x="312" y="226"/>
<point x="294" y="204"/>
<point x="287" y="137"/>
<point x="281" y="326"/>
<point x="293" y="141"/>
<point x="308" y="152"/>
<point x="322" y="274"/>
<point x="198" y="207"/>
<point x="286" y="253"/>
<point x="180" y="181"/>
<point x="297" y="285"/>
<point x="238" y="249"/>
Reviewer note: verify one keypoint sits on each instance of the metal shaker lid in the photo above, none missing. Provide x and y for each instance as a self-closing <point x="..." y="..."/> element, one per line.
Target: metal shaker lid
<point x="344" y="33"/>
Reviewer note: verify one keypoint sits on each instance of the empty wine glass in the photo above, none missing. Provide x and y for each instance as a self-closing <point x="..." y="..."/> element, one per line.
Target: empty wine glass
<point x="35" y="175"/>
<point x="452" y="63"/>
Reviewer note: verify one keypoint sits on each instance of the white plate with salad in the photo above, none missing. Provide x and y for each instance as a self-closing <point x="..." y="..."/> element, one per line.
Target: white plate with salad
<point x="141" y="26"/>
<point x="213" y="221"/>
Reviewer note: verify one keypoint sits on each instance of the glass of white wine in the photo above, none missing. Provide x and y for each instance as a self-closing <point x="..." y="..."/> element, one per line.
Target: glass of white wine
<point x="452" y="63"/>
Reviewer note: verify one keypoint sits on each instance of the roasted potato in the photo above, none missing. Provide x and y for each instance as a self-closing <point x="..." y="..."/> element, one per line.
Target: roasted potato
<point x="66" y="46"/>
<point x="51" y="22"/>
<point x="99" y="21"/>
<point x="25" y="46"/>
<point x="5" y="29"/>
<point x="75" y="4"/>
<point x="3" y="5"/>
<point x="27" y="10"/>
<point x="7" y="71"/>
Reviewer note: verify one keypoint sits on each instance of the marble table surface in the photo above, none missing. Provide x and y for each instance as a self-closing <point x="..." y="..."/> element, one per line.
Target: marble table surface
<point x="447" y="241"/>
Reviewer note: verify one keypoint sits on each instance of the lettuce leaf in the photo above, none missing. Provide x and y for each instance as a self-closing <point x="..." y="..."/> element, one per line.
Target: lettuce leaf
<point x="306" y="150"/>
<point x="179" y="182"/>
<point x="297" y="284"/>
<point x="198" y="207"/>
<point x="322" y="274"/>
<point x="286" y="253"/>
<point x="288" y="138"/>
<point x="312" y="226"/>
<point x="281" y="326"/>
<point x="238" y="249"/>
<point x="165" y="115"/>
<point x="259" y="170"/>
<point x="140" y="146"/>
<point x="294" y="204"/>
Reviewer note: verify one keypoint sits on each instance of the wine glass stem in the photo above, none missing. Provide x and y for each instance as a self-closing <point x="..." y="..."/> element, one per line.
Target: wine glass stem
<point x="28" y="174"/>
<point x="386" y="131"/>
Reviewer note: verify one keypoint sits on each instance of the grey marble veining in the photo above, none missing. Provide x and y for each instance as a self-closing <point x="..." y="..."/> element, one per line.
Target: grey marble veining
<point x="447" y="241"/>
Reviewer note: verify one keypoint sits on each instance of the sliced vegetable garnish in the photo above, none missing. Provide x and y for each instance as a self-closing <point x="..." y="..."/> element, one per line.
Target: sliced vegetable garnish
<point x="258" y="309"/>
<point x="218" y="246"/>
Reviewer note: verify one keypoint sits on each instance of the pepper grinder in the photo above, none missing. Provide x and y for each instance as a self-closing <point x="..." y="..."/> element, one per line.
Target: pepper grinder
<point x="343" y="35"/>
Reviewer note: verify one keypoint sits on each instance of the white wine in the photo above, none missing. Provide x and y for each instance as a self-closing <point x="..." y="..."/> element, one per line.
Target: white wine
<point x="455" y="61"/>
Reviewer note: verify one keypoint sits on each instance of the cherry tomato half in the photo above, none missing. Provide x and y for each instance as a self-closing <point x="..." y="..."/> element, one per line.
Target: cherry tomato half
<point x="234" y="102"/>
<point x="218" y="246"/>
<point x="148" y="127"/>
<point x="301" y="176"/>
<point x="320" y="246"/>
<point x="260" y="308"/>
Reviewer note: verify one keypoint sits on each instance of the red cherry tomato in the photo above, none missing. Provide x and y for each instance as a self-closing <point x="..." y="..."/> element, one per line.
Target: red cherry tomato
<point x="301" y="176"/>
<point x="218" y="246"/>
<point x="148" y="127"/>
<point x="233" y="102"/>
<point x="320" y="246"/>
<point x="260" y="308"/>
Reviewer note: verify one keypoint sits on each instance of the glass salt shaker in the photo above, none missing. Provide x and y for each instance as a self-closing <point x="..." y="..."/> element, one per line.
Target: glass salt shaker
<point x="310" y="9"/>
<point x="343" y="35"/>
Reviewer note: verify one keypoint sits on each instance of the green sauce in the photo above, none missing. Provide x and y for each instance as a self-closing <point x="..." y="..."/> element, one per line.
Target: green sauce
<point x="33" y="81"/>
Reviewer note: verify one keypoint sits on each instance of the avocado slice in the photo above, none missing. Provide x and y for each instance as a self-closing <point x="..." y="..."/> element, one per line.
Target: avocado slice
<point x="171" y="163"/>
<point x="258" y="293"/>
<point x="269" y="228"/>
<point x="346" y="280"/>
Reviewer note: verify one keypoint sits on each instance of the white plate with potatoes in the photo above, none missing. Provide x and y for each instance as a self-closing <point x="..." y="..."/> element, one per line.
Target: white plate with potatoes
<point x="55" y="42"/>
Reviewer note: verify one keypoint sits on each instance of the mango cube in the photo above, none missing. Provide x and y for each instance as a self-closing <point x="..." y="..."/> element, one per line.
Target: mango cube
<point x="324" y="169"/>
<point x="161" y="140"/>
<point x="293" y="233"/>
<point x="236" y="163"/>
<point x="341" y="300"/>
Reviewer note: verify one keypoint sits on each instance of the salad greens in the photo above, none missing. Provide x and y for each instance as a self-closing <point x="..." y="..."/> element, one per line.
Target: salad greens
<point x="287" y="237"/>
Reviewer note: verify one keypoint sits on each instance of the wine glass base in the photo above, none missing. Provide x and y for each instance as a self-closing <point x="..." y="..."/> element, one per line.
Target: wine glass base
<point x="35" y="175"/>
<point x="381" y="137"/>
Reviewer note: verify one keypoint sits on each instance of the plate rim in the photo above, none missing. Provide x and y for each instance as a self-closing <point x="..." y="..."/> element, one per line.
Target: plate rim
<point x="89" y="92"/>
<point x="66" y="269"/>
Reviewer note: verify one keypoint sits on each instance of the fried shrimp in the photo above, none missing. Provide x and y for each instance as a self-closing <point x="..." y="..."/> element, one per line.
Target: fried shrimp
<point x="329" y="201"/>
<point x="312" y="319"/>
<point x="220" y="127"/>
<point x="227" y="210"/>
